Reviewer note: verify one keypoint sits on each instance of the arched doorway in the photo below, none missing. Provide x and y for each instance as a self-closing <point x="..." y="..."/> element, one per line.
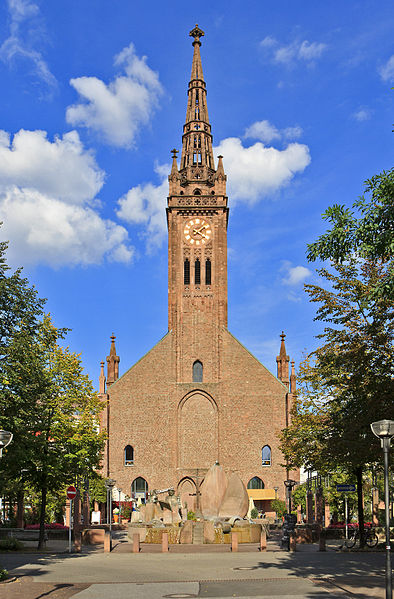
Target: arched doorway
<point x="187" y="493"/>
<point x="139" y="488"/>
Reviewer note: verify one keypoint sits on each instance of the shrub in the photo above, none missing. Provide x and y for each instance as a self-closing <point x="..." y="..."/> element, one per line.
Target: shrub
<point x="10" y="544"/>
<point x="3" y="574"/>
<point x="191" y="515"/>
<point x="278" y="506"/>
<point x="254" y="513"/>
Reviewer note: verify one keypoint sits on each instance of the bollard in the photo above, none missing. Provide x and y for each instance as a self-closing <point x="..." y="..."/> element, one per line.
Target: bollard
<point x="77" y="541"/>
<point x="322" y="541"/>
<point x="107" y="542"/>
<point x="292" y="542"/>
<point x="263" y="541"/>
<point x="234" y="541"/>
<point x="136" y="543"/>
<point x="164" y="542"/>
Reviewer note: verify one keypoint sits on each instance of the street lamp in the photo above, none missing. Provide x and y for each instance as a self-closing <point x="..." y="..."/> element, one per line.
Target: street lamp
<point x="384" y="430"/>
<point x="109" y="484"/>
<point x="289" y="484"/>
<point x="5" y="439"/>
<point x="120" y="506"/>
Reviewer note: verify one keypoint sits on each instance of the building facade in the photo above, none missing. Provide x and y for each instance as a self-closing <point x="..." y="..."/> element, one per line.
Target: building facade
<point x="198" y="396"/>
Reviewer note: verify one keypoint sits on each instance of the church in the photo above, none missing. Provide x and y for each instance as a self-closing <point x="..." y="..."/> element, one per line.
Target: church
<point x="198" y="396"/>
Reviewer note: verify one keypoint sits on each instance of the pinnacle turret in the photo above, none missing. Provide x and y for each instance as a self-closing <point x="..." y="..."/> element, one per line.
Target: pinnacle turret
<point x="112" y="363"/>
<point x="282" y="362"/>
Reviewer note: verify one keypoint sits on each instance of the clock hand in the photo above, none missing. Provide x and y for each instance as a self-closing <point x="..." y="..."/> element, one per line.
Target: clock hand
<point x="196" y="231"/>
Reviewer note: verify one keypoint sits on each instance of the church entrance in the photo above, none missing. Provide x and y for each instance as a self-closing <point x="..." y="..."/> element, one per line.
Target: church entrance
<point x="187" y="493"/>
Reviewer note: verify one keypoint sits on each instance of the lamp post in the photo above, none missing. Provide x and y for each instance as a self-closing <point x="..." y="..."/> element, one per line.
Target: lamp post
<point x="5" y="439"/>
<point x="120" y="506"/>
<point x="289" y="484"/>
<point x="110" y="483"/>
<point x="384" y="430"/>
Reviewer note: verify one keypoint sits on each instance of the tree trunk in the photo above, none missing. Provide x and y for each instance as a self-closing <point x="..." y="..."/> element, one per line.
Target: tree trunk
<point x="41" y="541"/>
<point x="20" y="508"/>
<point x="360" y="505"/>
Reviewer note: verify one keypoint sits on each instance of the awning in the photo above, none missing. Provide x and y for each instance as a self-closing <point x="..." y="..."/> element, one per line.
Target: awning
<point x="261" y="493"/>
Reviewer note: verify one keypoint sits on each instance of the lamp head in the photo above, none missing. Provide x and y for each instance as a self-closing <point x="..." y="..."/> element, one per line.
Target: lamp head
<point x="383" y="429"/>
<point x="5" y="438"/>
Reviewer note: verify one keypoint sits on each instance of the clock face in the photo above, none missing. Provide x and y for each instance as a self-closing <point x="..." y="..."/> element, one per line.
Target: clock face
<point x="197" y="231"/>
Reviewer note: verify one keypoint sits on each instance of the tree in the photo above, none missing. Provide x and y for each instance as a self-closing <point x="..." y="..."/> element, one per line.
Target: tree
<point x="50" y="405"/>
<point x="45" y="398"/>
<point x="348" y="382"/>
<point x="366" y="233"/>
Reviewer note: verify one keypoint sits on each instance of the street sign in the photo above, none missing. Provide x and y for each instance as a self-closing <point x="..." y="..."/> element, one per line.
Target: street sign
<point x="346" y="488"/>
<point x="71" y="492"/>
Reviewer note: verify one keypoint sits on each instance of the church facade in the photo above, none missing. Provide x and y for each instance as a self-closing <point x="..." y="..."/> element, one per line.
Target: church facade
<point x="199" y="395"/>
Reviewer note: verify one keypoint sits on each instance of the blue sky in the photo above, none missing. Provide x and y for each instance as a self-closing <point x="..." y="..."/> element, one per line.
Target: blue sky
<point x="93" y="100"/>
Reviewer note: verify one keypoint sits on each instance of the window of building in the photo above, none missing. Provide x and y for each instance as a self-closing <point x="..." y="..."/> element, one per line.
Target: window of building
<point x="197" y="272"/>
<point x="255" y="483"/>
<point x="197" y="372"/>
<point x="139" y="487"/>
<point x="186" y="272"/>
<point x="128" y="455"/>
<point x="208" y="272"/>
<point x="266" y="455"/>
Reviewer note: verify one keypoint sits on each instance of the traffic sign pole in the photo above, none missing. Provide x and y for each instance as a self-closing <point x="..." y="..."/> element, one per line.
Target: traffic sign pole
<point x="71" y="494"/>
<point x="69" y="528"/>
<point x="346" y="519"/>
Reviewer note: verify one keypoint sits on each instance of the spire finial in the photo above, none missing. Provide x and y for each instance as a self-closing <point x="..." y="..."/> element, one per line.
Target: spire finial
<point x="283" y="336"/>
<point x="196" y="33"/>
<point x="174" y="153"/>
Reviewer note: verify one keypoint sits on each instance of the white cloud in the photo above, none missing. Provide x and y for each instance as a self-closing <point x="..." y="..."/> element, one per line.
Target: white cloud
<point x="387" y="70"/>
<point x="145" y="205"/>
<point x="48" y="205"/>
<point x="363" y="114"/>
<point x="292" y="132"/>
<point x="266" y="132"/>
<point x="62" y="168"/>
<point x="18" y="44"/>
<point x="118" y="110"/>
<point x="294" y="275"/>
<point x="296" y="50"/>
<point x="263" y="130"/>
<point x="256" y="171"/>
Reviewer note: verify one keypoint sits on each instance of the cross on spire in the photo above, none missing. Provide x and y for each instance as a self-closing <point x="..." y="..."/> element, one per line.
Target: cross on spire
<point x="196" y="33"/>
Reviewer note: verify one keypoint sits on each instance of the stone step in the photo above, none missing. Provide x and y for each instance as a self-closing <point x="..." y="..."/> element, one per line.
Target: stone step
<point x="198" y="533"/>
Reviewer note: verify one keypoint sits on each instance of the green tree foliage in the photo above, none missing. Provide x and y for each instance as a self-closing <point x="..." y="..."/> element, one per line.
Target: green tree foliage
<point x="348" y="382"/>
<point x="45" y="400"/>
<point x="366" y="232"/>
<point x="279" y="507"/>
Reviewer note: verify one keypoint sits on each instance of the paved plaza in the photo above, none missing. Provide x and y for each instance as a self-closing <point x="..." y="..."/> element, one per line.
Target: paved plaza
<point x="193" y="572"/>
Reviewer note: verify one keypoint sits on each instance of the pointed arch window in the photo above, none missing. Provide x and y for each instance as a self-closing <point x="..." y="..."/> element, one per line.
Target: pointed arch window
<point x="255" y="483"/>
<point x="197" y="272"/>
<point x="197" y="372"/>
<point x="186" y="272"/>
<point x="208" y="272"/>
<point x="266" y="455"/>
<point x="128" y="455"/>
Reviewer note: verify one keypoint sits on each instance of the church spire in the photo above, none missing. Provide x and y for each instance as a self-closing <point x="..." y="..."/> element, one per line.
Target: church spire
<point x="197" y="162"/>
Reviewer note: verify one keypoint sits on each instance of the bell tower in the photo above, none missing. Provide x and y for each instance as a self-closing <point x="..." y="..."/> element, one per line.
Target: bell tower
<point x="197" y="216"/>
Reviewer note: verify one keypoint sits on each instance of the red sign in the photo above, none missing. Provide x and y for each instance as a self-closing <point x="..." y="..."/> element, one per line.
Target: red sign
<point x="71" y="492"/>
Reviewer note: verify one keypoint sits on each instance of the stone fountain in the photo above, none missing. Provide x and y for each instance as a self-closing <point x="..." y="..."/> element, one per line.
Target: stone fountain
<point x="224" y="504"/>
